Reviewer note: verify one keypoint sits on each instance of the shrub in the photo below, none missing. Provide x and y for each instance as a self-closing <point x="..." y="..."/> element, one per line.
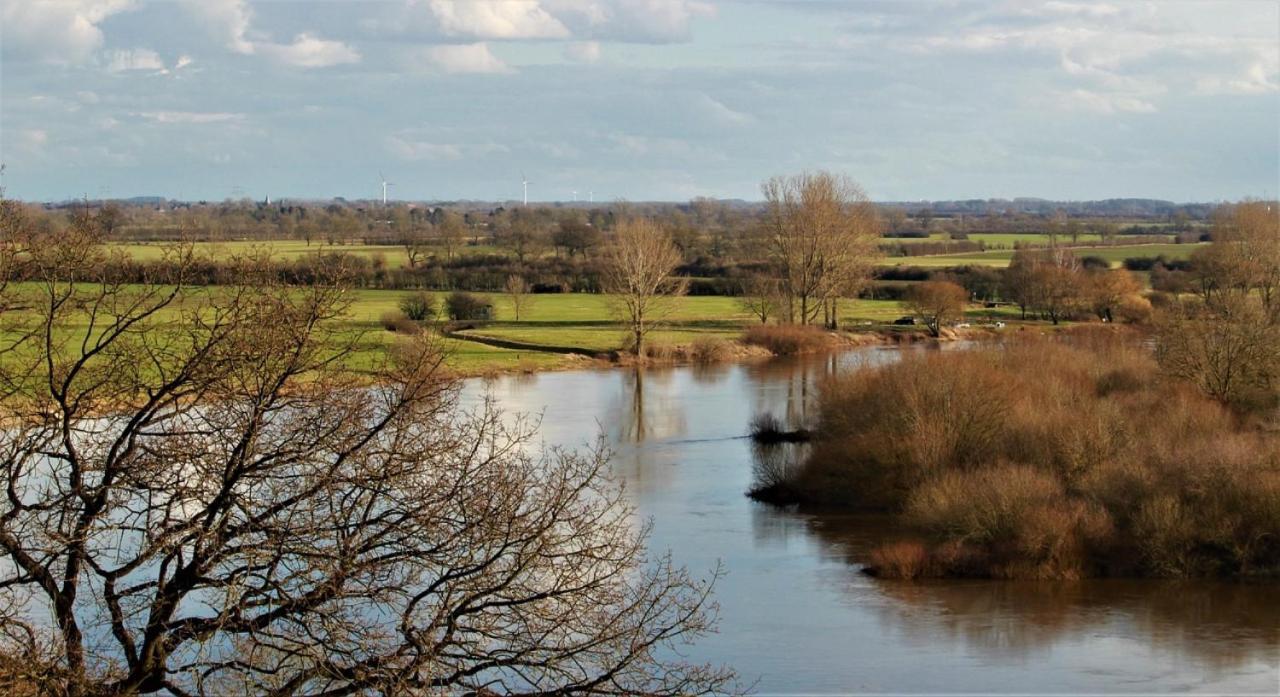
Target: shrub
<point x="660" y="351"/>
<point x="767" y="428"/>
<point x="419" y="307"/>
<point x="789" y="339"/>
<point x="900" y="560"/>
<point x="1048" y="458"/>
<point x="708" y="350"/>
<point x="465" y="307"/>
<point x="397" y="322"/>
<point x="1133" y="309"/>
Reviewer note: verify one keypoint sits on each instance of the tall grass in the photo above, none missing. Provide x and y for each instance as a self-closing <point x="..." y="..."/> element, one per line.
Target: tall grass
<point x="789" y="339"/>
<point x="1044" y="458"/>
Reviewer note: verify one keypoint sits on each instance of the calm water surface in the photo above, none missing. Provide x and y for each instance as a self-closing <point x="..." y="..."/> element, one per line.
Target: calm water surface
<point x="797" y="615"/>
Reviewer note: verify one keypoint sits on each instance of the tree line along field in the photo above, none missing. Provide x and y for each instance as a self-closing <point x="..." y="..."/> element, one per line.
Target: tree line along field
<point x="397" y="256"/>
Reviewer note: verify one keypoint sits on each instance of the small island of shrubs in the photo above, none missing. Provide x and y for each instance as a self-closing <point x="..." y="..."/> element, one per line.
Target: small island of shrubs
<point x="1046" y="458"/>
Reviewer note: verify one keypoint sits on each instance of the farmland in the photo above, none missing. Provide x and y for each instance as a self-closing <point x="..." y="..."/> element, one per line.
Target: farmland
<point x="1000" y="258"/>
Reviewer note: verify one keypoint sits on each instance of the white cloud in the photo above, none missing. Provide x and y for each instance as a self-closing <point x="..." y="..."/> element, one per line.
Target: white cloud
<point x="462" y="58"/>
<point x="228" y="20"/>
<point x="492" y="19"/>
<point x="640" y="21"/>
<point x="231" y="21"/>
<point x="134" y="59"/>
<point x="1119" y="57"/>
<point x="583" y="51"/>
<point x="309" y="51"/>
<point x="190" y="116"/>
<point x="1258" y="78"/>
<point x="183" y="61"/>
<point x="56" y="31"/>
<point x="1090" y="9"/>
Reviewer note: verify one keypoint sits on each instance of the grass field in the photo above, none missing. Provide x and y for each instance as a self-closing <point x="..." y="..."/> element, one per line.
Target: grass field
<point x="580" y="321"/>
<point x="1008" y="239"/>
<point x="1000" y="258"/>
<point x="586" y="322"/>
<point x="394" y="255"/>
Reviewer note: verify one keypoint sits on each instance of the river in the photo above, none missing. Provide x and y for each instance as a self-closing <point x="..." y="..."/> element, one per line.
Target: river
<point x="798" y="617"/>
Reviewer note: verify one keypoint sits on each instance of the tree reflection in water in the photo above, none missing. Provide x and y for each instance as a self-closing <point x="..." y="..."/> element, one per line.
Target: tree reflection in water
<point x="645" y="410"/>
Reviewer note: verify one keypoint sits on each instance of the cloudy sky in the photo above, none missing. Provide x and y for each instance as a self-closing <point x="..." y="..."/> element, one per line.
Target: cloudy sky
<point x="639" y="99"/>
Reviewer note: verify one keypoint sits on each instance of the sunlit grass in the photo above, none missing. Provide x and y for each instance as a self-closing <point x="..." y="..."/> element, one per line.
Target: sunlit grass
<point x="1000" y="258"/>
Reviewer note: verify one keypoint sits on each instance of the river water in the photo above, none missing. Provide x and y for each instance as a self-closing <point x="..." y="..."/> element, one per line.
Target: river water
<point x="798" y="617"/>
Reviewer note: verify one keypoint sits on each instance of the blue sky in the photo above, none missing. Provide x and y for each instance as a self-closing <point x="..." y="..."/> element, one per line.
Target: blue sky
<point x="639" y="99"/>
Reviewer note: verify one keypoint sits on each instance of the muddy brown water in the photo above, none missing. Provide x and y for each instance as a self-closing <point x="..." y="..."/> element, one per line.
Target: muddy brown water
<point x="798" y="616"/>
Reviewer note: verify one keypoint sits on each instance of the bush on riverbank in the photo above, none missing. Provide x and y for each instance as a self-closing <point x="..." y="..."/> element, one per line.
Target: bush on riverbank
<point x="789" y="339"/>
<point x="1049" y="459"/>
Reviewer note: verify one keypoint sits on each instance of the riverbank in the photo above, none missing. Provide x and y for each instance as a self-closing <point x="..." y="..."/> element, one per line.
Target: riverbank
<point x="752" y="345"/>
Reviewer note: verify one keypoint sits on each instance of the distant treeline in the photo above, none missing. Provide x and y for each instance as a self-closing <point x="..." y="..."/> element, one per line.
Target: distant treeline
<point x="720" y="229"/>
<point x="1106" y="208"/>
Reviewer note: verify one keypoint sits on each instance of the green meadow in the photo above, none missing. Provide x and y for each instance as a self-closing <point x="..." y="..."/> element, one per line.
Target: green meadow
<point x="1009" y="239"/>
<point x="1116" y="254"/>
<point x="285" y="250"/>
<point x="587" y="322"/>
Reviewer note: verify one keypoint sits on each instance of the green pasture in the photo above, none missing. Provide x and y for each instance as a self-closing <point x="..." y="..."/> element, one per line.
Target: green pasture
<point x="1001" y="257"/>
<point x="286" y="250"/>
<point x="1002" y="240"/>
<point x="581" y="321"/>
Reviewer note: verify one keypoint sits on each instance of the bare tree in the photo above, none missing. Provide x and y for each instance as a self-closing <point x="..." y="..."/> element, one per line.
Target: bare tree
<point x="1105" y="290"/>
<point x="761" y="296"/>
<point x="517" y="290"/>
<point x="1227" y="349"/>
<point x="200" y="502"/>
<point x="822" y="234"/>
<point x="415" y="243"/>
<point x="638" y="269"/>
<point x="522" y="235"/>
<point x="1245" y="255"/>
<point x="451" y="232"/>
<point x="936" y="303"/>
<point x="1048" y="281"/>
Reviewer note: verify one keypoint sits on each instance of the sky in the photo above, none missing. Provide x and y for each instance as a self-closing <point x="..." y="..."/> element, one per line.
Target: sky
<point x="638" y="99"/>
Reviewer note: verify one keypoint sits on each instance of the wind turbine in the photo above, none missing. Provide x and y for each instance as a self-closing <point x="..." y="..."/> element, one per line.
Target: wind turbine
<point x="385" y="184"/>
<point x="525" y="183"/>
<point x="575" y="195"/>
<point x="591" y="197"/>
